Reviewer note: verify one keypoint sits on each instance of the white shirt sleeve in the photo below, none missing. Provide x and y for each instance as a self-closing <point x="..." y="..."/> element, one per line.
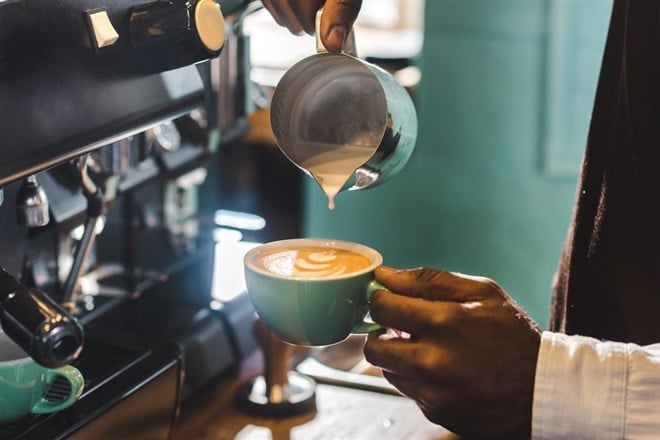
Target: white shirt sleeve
<point x="590" y="389"/>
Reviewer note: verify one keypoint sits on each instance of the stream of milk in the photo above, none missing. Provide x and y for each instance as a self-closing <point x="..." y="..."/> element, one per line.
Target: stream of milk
<point x="333" y="167"/>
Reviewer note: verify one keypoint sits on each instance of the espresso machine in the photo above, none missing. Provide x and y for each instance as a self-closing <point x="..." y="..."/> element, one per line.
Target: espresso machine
<point x="112" y="113"/>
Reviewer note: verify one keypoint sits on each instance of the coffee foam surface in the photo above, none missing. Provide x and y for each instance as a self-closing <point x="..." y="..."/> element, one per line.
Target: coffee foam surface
<point x="313" y="262"/>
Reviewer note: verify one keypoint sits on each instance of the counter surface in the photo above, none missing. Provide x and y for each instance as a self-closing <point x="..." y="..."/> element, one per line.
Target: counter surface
<point x="342" y="413"/>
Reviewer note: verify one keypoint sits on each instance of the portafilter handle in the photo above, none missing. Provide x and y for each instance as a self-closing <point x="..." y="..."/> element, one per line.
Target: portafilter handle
<point x="40" y="326"/>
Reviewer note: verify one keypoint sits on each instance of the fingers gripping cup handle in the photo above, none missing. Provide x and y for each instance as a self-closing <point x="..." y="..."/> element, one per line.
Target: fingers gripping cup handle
<point x="366" y="326"/>
<point x="349" y="44"/>
<point x="76" y="381"/>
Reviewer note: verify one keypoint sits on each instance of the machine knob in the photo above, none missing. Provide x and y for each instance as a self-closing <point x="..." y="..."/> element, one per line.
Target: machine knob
<point x="164" y="137"/>
<point x="32" y="204"/>
<point x="166" y="34"/>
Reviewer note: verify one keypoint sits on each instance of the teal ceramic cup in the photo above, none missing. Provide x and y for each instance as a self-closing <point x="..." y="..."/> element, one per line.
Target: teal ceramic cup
<point x="24" y="383"/>
<point x="313" y="311"/>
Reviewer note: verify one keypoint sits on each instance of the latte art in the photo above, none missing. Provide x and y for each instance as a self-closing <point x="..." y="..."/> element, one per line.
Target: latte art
<point x="312" y="262"/>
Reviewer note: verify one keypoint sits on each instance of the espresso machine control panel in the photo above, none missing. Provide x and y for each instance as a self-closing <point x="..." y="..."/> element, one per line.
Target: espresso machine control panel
<point x="81" y="73"/>
<point x="110" y="116"/>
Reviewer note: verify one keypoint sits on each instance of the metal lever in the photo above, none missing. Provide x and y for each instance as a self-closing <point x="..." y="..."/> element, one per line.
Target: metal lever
<point x="94" y="198"/>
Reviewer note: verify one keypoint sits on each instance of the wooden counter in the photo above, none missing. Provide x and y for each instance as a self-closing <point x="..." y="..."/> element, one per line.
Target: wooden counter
<point x="342" y="413"/>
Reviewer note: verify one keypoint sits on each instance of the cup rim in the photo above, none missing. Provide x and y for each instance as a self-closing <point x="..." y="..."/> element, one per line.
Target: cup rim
<point x="375" y="256"/>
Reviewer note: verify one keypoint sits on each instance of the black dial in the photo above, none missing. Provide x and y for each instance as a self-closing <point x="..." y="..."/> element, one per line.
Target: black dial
<point x="166" y="34"/>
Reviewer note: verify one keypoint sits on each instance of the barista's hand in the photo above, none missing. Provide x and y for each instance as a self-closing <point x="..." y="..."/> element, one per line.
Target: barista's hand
<point x="470" y="360"/>
<point x="300" y="16"/>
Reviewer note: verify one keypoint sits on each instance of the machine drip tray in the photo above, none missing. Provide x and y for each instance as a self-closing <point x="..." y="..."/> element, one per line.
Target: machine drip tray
<point x="112" y="373"/>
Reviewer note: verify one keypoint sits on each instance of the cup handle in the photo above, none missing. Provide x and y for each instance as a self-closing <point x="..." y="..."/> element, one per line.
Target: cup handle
<point x="369" y="326"/>
<point x="349" y="44"/>
<point x="76" y="381"/>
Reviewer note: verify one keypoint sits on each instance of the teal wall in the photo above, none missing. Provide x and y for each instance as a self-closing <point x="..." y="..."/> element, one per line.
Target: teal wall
<point x="503" y="106"/>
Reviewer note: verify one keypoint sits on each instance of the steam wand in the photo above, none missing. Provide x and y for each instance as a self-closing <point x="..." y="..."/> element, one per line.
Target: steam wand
<point x="40" y="326"/>
<point x="94" y="198"/>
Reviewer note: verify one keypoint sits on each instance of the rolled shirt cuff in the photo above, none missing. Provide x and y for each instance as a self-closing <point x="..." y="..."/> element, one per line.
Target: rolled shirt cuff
<point x="580" y="388"/>
<point x="586" y="388"/>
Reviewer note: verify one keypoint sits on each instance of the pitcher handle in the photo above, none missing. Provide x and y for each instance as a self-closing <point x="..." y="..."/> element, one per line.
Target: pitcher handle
<point x="349" y="44"/>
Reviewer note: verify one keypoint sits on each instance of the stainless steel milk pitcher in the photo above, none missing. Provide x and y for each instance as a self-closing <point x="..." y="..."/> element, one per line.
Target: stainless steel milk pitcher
<point x="334" y="108"/>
